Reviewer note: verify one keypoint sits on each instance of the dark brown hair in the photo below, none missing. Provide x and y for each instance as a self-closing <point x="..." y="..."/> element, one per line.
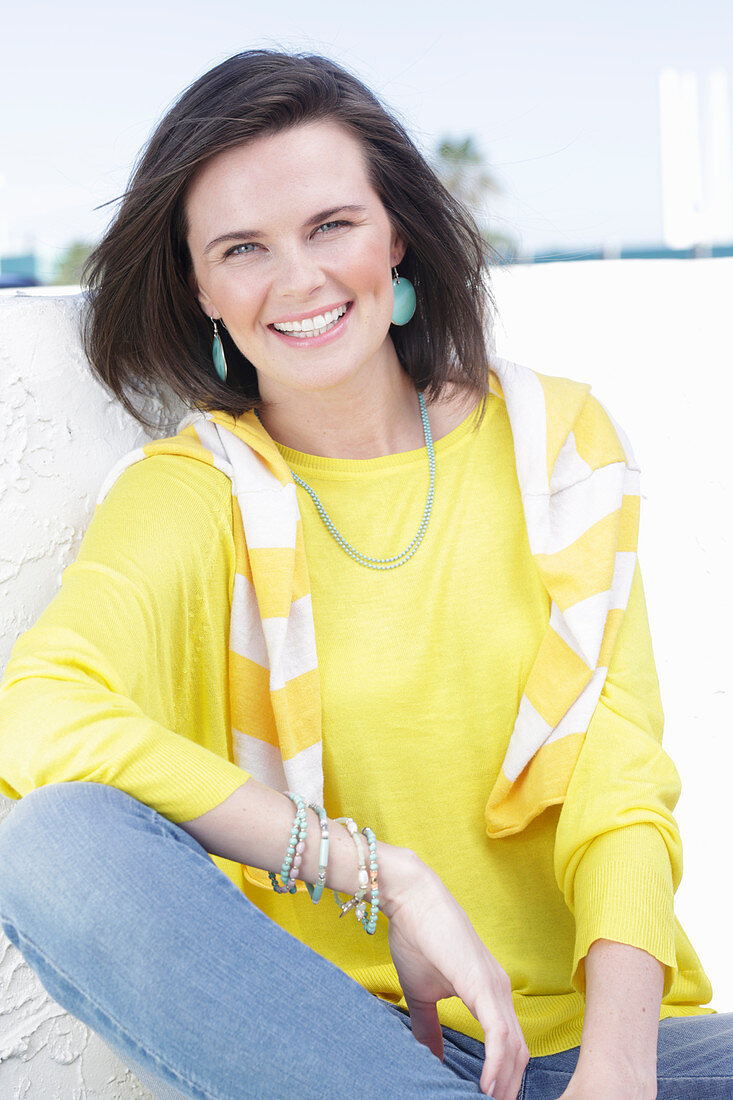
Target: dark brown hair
<point x="144" y="325"/>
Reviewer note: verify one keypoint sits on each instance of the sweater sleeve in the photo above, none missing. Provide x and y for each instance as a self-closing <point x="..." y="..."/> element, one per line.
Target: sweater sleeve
<point x="123" y="680"/>
<point x="618" y="856"/>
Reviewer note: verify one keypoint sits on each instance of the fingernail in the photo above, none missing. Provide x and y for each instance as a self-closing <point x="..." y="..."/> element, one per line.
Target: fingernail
<point x="492" y="1086"/>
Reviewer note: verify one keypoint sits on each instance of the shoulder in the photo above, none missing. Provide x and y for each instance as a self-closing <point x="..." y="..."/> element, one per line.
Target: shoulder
<point x="563" y="411"/>
<point x="518" y="385"/>
<point x="171" y="481"/>
<point x="164" y="507"/>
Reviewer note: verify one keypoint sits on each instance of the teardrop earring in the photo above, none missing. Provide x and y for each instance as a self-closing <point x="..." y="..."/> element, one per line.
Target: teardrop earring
<point x="217" y="353"/>
<point x="404" y="299"/>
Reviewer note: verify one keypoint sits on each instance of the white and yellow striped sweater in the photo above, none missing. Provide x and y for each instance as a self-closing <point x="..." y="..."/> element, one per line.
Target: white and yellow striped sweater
<point x="166" y="707"/>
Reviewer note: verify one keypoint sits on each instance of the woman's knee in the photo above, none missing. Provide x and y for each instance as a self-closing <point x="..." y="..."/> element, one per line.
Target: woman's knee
<point x="47" y="817"/>
<point x="53" y="842"/>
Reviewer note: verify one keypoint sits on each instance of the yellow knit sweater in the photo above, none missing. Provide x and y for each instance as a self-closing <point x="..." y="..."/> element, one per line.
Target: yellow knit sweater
<point x="124" y="680"/>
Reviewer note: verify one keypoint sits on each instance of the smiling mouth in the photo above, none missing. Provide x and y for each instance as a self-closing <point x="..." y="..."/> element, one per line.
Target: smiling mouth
<point x="309" y="327"/>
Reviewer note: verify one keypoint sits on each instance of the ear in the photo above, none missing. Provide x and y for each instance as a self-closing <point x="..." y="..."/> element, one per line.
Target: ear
<point x="201" y="296"/>
<point x="206" y="303"/>
<point x="397" y="250"/>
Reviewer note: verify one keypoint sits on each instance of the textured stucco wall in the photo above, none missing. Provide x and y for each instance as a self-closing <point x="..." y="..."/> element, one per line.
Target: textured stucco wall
<point x="61" y="433"/>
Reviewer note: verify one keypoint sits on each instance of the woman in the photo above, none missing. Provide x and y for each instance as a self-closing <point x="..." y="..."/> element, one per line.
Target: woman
<point x="370" y="578"/>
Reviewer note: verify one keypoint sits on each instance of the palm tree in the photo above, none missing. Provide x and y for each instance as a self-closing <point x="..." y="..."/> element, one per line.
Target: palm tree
<point x="71" y="262"/>
<point x="461" y="167"/>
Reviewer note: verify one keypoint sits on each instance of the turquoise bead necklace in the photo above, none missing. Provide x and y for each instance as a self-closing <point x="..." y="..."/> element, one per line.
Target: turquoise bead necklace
<point x="397" y="559"/>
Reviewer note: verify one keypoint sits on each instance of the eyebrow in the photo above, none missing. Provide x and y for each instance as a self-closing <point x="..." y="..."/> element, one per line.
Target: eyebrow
<point x="246" y="234"/>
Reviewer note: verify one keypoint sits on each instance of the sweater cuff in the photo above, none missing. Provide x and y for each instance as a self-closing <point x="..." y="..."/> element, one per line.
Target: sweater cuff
<point x="179" y="779"/>
<point x="623" y="892"/>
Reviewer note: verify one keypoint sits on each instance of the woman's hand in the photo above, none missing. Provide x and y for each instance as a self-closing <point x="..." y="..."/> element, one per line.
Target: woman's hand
<point x="437" y="953"/>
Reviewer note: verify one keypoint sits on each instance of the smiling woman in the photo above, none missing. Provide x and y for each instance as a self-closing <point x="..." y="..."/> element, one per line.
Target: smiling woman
<point x="374" y="576"/>
<point x="307" y="297"/>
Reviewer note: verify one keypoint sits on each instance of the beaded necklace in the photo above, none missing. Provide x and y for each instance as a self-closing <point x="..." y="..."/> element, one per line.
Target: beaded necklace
<point x="397" y="559"/>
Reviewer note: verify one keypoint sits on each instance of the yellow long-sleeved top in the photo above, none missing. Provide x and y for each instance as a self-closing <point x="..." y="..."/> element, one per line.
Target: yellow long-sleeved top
<point x="124" y="680"/>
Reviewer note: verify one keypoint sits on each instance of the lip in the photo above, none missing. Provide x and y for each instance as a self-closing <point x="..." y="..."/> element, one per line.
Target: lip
<point x="311" y="313"/>
<point x="314" y="341"/>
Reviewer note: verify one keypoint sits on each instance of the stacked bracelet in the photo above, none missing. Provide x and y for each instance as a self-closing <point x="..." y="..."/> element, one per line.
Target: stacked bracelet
<point x="296" y="847"/>
<point x="370" y="925"/>
<point x="366" y="879"/>
<point x="316" y="890"/>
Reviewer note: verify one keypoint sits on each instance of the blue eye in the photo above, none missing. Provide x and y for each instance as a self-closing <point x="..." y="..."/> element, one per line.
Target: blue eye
<point x="330" y="225"/>
<point x="240" y="249"/>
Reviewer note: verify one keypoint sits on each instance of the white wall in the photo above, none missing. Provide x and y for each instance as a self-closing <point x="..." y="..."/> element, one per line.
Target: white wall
<point x="650" y="336"/>
<point x="653" y="337"/>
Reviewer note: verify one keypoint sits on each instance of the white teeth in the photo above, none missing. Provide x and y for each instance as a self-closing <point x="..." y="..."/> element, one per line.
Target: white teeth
<point x="312" y="326"/>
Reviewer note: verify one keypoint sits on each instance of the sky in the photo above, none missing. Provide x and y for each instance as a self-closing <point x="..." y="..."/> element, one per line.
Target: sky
<point x="562" y="98"/>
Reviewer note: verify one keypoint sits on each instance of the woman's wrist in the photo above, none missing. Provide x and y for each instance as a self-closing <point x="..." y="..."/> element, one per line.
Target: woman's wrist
<point x="399" y="870"/>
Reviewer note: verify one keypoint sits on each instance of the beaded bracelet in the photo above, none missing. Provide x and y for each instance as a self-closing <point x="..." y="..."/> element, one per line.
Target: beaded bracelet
<point x="356" y="903"/>
<point x="296" y="847"/>
<point x="370" y="925"/>
<point x="316" y="890"/>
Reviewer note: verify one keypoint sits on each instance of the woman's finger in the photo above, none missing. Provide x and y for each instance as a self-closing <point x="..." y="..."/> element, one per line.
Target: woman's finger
<point x="506" y="1060"/>
<point x="495" y="1036"/>
<point x="506" y="1053"/>
<point x="426" y="1025"/>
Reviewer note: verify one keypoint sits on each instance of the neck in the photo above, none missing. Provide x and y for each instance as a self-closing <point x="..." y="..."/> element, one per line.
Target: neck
<point x="379" y="417"/>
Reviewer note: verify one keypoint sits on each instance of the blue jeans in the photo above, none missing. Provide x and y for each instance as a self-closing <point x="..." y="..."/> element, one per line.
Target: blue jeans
<point x="133" y="929"/>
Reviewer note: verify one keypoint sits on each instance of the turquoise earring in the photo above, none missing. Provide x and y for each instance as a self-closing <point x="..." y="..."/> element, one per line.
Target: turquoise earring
<point x="217" y="354"/>
<point x="404" y="299"/>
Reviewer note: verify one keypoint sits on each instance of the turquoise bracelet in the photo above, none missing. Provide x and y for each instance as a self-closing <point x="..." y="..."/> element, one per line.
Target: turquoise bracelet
<point x="296" y="847"/>
<point x="316" y="890"/>
<point x="370" y="924"/>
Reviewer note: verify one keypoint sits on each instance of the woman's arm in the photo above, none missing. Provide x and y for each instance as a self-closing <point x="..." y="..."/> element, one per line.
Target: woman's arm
<point x="123" y="679"/>
<point x="618" y="1050"/>
<point x="618" y="854"/>
<point x="618" y="861"/>
<point x="252" y="827"/>
<point x="435" y="949"/>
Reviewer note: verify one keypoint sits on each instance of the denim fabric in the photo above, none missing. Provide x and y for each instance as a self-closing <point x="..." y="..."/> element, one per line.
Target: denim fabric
<point x="694" y="1061"/>
<point x="133" y="929"/>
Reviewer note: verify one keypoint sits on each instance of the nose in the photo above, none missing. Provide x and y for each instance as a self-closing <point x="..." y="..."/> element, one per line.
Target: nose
<point x="299" y="275"/>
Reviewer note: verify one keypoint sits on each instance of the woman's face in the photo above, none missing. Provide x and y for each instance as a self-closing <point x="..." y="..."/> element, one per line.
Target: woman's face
<point x="292" y="248"/>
